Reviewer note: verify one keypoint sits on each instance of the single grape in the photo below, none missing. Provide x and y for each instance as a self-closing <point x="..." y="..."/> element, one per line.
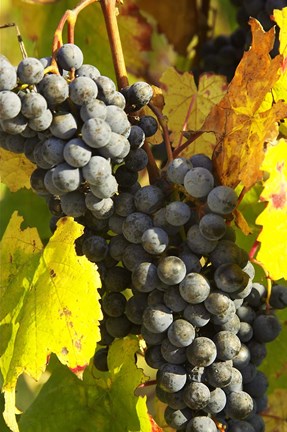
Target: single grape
<point x="70" y="56"/>
<point x="113" y="304"/>
<point x="96" y="132"/>
<point x="95" y="248"/>
<point x="82" y="89"/>
<point x="198" y="182"/>
<point x="171" y="378"/>
<point x="54" y="88"/>
<point x="149" y="198"/>
<point x="239" y="405"/>
<point x="10" y="105"/>
<point x="194" y="288"/>
<point x="181" y="333"/>
<point x="201" y="424"/>
<point x="64" y="125"/>
<point x="222" y="200"/>
<point x="157" y="318"/>
<point x="171" y="270"/>
<point x="177" y="213"/>
<point x="196" y="395"/>
<point x="76" y="153"/>
<point x="30" y="71"/>
<point x="33" y="105"/>
<point x="97" y="170"/>
<point x="73" y="204"/>
<point x="202" y="352"/>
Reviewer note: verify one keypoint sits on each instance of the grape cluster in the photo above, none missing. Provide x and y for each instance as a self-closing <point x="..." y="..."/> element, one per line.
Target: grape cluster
<point x="170" y="268"/>
<point x="223" y="53"/>
<point x="180" y="281"/>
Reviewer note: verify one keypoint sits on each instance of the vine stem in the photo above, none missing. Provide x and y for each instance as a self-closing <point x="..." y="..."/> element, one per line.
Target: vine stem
<point x="152" y="168"/>
<point x="162" y="121"/>
<point x="268" y="279"/>
<point x="179" y="149"/>
<point x="192" y="101"/>
<point x="69" y="17"/>
<point x="147" y="384"/>
<point x="109" y="12"/>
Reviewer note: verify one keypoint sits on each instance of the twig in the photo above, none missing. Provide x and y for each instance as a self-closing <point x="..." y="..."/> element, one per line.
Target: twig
<point x="152" y="168"/>
<point x="109" y="11"/>
<point x="193" y="97"/>
<point x="179" y="149"/>
<point x="162" y="121"/>
<point x="69" y="17"/>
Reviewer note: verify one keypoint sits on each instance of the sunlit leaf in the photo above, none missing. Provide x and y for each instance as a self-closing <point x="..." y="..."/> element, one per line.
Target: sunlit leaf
<point x="11" y="163"/>
<point x="102" y="401"/>
<point x="187" y="106"/>
<point x="240" y="126"/>
<point x="47" y="306"/>
<point x="275" y="416"/>
<point x="273" y="237"/>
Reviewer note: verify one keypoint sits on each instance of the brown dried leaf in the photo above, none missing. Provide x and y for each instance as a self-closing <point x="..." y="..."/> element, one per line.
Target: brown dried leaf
<point x="238" y="121"/>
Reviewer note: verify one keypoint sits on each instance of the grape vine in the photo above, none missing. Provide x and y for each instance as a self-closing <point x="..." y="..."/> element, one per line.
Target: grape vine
<point x="172" y="274"/>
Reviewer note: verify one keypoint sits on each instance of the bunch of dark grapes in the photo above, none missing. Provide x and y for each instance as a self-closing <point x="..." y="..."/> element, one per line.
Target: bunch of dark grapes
<point x="76" y="131"/>
<point x="222" y="54"/>
<point x="170" y="268"/>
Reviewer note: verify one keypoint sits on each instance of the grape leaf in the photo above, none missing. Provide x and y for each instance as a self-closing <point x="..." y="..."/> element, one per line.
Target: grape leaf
<point x="187" y="106"/>
<point x="11" y="163"/>
<point x="275" y="416"/>
<point x="279" y="90"/>
<point x="273" y="236"/>
<point x="54" y="308"/>
<point x="102" y="401"/>
<point x="238" y="121"/>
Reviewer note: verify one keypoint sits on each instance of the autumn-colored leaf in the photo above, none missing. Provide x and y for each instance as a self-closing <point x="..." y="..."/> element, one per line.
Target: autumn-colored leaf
<point x="187" y="106"/>
<point x="50" y="306"/>
<point x="273" y="237"/>
<point x="241" y="222"/>
<point x="11" y="163"/>
<point x="240" y="125"/>
<point x="275" y="416"/>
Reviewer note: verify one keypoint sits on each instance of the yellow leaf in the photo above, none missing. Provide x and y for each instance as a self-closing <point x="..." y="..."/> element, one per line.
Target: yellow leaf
<point x="187" y="106"/>
<point x="280" y="17"/>
<point x="240" y="125"/>
<point x="56" y="306"/>
<point x="12" y="163"/>
<point x="273" y="237"/>
<point x="276" y="414"/>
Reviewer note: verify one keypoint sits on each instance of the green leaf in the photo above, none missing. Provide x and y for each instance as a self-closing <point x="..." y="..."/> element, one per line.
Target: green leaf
<point x="47" y="307"/>
<point x="103" y="401"/>
<point x="32" y="207"/>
